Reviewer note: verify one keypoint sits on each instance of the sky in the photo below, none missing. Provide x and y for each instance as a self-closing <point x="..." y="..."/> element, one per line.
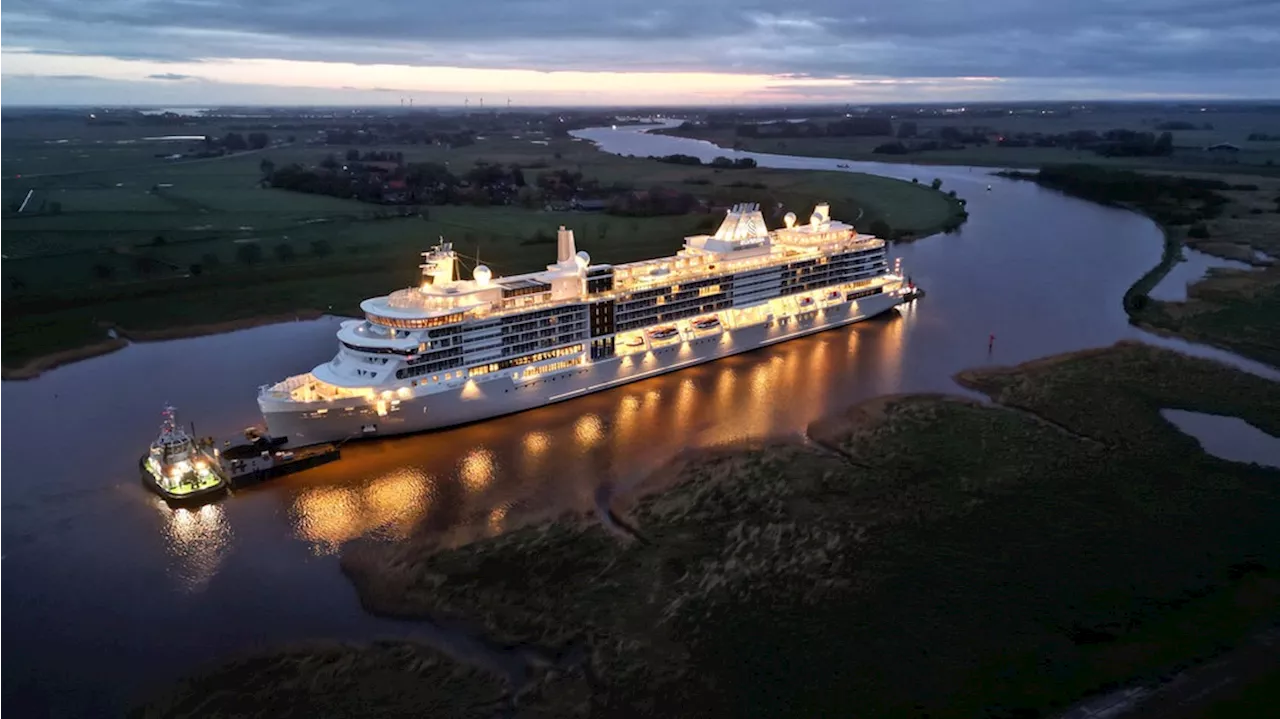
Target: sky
<point x="628" y="52"/>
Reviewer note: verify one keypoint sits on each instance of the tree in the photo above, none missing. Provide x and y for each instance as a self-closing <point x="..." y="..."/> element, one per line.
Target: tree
<point x="353" y="155"/>
<point x="258" y="140"/>
<point x="55" y="208"/>
<point x="1198" y="231"/>
<point x="321" y="248"/>
<point x="102" y="271"/>
<point x="284" y="252"/>
<point x="234" y="142"/>
<point x="1164" y="144"/>
<point x="210" y="260"/>
<point x="936" y="184"/>
<point x="906" y="129"/>
<point x="157" y="240"/>
<point x="330" y="162"/>
<point x="144" y="265"/>
<point x="881" y="229"/>
<point x="249" y="253"/>
<point x="266" y="167"/>
<point x="196" y="270"/>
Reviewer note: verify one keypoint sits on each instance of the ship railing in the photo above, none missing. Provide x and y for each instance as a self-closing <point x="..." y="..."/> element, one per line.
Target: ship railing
<point x="284" y="388"/>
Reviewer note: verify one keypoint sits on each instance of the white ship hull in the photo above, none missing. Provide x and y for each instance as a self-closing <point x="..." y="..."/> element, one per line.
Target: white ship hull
<point x="479" y="399"/>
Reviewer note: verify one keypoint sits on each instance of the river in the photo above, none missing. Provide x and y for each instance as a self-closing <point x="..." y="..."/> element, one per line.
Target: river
<point x="107" y="593"/>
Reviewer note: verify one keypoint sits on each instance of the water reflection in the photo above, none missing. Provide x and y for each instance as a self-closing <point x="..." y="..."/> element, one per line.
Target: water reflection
<point x="1225" y="437"/>
<point x="197" y="539"/>
<point x="389" y="505"/>
<point x="476" y="469"/>
<point x="1193" y="267"/>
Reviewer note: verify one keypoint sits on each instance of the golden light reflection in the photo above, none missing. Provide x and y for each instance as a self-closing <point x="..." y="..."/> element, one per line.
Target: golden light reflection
<point x="497" y="519"/>
<point x="891" y="342"/>
<point x="197" y="539"/>
<point x="477" y="469"/>
<point x="588" y="431"/>
<point x="390" y="504"/>
<point x="684" y="407"/>
<point x="329" y="515"/>
<point x="535" y="443"/>
<point x="626" y="422"/>
<point x="396" y="500"/>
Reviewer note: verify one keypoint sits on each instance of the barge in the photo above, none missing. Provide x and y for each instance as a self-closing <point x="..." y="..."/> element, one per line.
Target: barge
<point x="266" y="459"/>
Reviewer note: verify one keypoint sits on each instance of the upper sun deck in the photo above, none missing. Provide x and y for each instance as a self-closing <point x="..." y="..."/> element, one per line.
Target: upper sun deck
<point x="743" y="242"/>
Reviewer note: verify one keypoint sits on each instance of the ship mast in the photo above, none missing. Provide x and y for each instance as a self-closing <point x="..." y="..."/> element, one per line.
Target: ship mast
<point x="169" y="424"/>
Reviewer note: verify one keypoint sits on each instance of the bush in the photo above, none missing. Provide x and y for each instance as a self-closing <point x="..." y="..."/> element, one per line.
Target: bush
<point x="249" y="253"/>
<point x="1198" y="231"/>
<point x="284" y="251"/>
<point x="881" y="229"/>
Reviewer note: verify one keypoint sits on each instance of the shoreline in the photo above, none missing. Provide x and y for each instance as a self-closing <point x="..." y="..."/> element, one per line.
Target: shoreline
<point x="1016" y="164"/>
<point x="958" y="216"/>
<point x="33" y="368"/>
<point x="1153" y="315"/>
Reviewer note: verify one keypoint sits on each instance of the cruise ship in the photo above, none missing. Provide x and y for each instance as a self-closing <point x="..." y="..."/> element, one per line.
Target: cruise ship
<point x="452" y="351"/>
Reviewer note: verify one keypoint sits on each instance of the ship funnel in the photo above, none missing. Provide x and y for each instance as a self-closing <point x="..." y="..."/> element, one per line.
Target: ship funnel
<point x="565" y="249"/>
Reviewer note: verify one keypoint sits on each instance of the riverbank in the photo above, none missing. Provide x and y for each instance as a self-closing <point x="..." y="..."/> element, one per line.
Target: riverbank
<point x="926" y="554"/>
<point x="1235" y="218"/>
<point x="862" y="149"/>
<point x="123" y="336"/>
<point x="214" y="246"/>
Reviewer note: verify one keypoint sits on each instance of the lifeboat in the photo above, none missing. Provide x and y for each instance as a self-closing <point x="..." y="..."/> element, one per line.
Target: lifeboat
<point x="835" y="295"/>
<point x="663" y="333"/>
<point x="806" y="301"/>
<point x="635" y="341"/>
<point x="706" y="323"/>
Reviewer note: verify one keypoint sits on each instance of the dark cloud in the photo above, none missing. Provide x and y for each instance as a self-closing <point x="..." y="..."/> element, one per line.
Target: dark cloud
<point x="171" y="76"/>
<point x="1199" y="41"/>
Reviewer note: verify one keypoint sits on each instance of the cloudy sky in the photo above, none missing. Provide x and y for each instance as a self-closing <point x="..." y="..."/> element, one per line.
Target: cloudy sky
<point x="627" y="51"/>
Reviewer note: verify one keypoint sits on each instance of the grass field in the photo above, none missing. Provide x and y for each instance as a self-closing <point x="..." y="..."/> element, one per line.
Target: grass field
<point x="945" y="558"/>
<point x="1229" y="127"/>
<point x="119" y="245"/>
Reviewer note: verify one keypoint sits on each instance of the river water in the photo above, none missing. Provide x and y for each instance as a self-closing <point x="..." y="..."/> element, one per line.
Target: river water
<point x="107" y="593"/>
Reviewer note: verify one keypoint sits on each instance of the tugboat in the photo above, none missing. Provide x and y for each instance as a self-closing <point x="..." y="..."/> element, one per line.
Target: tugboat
<point x="180" y="470"/>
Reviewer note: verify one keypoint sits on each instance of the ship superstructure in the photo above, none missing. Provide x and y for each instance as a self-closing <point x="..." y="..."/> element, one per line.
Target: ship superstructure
<point x="452" y="351"/>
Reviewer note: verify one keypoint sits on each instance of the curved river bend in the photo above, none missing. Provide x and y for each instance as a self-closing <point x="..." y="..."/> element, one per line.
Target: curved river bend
<point x="107" y="593"/>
